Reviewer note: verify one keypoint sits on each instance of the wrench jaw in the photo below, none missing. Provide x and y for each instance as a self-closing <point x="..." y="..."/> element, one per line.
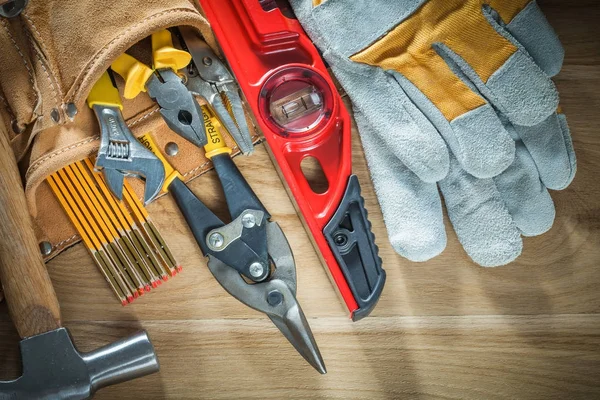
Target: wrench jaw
<point x="150" y="169"/>
<point x="155" y="178"/>
<point x="120" y="154"/>
<point x="114" y="180"/>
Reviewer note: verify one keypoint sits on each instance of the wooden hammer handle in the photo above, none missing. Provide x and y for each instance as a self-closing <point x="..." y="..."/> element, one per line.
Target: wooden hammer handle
<point x="28" y="290"/>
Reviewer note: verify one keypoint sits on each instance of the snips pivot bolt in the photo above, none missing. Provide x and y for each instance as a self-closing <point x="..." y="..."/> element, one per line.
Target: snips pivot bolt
<point x="274" y="298"/>
<point x="248" y="220"/>
<point x="256" y="269"/>
<point x="216" y="240"/>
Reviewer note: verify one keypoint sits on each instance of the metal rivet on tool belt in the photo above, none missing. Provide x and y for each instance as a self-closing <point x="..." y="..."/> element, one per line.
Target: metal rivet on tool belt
<point x="171" y="149"/>
<point x="45" y="248"/>
<point x="12" y="8"/>
<point x="55" y="115"/>
<point x="71" y="111"/>
<point x="274" y="298"/>
<point x="248" y="220"/>
<point x="16" y="128"/>
<point x="216" y="240"/>
<point x="207" y="61"/>
<point x="256" y="269"/>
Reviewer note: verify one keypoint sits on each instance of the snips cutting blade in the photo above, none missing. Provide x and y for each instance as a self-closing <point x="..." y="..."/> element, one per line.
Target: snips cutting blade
<point x="276" y="296"/>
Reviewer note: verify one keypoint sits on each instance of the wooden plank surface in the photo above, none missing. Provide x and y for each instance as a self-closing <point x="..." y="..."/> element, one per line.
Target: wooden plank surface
<point x="443" y="329"/>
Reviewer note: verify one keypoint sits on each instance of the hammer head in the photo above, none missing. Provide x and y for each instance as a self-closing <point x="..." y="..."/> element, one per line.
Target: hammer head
<point x="54" y="369"/>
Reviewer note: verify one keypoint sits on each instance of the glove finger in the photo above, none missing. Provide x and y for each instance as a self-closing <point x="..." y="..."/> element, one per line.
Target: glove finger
<point x="549" y="143"/>
<point x="412" y="209"/>
<point x="398" y="124"/>
<point x="551" y="147"/>
<point x="566" y="131"/>
<point x="480" y="218"/>
<point x="526" y="198"/>
<point x="528" y="27"/>
<point x="477" y="138"/>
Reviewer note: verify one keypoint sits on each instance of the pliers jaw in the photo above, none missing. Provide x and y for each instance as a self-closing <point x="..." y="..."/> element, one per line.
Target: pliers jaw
<point x="174" y="91"/>
<point x="179" y="108"/>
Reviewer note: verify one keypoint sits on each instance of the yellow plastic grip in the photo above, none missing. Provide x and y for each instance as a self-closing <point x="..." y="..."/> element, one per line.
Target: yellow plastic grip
<point x="135" y="74"/>
<point x="104" y="93"/>
<point x="170" y="172"/>
<point x="216" y="145"/>
<point x="167" y="56"/>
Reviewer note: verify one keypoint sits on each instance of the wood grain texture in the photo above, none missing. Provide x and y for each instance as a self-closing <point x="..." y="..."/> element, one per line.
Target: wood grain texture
<point x="32" y="302"/>
<point x="443" y="329"/>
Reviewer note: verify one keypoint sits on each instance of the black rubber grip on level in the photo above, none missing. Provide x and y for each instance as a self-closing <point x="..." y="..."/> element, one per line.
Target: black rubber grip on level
<point x="353" y="245"/>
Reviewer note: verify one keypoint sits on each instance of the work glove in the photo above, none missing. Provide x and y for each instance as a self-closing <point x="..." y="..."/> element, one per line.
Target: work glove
<point x="489" y="216"/>
<point x="444" y="91"/>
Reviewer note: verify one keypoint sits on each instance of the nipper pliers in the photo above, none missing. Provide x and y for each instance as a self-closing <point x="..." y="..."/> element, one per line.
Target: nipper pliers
<point x="174" y="80"/>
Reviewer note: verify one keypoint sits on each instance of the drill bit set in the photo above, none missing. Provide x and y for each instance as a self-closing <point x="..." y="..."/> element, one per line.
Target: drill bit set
<point x="120" y="236"/>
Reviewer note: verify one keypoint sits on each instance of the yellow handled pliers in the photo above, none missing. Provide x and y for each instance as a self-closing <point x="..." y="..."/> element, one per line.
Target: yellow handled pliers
<point x="162" y="82"/>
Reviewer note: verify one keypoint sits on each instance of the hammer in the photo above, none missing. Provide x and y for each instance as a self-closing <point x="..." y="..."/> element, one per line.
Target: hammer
<point x="52" y="366"/>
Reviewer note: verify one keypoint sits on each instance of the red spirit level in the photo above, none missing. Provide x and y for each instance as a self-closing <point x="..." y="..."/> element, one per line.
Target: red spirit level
<point x="302" y="115"/>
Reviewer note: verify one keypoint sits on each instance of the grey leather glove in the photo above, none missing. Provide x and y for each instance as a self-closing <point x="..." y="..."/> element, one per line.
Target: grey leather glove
<point x="492" y="160"/>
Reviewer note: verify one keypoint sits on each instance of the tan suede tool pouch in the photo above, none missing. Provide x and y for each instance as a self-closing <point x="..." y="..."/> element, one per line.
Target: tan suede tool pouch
<point x="52" y="54"/>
